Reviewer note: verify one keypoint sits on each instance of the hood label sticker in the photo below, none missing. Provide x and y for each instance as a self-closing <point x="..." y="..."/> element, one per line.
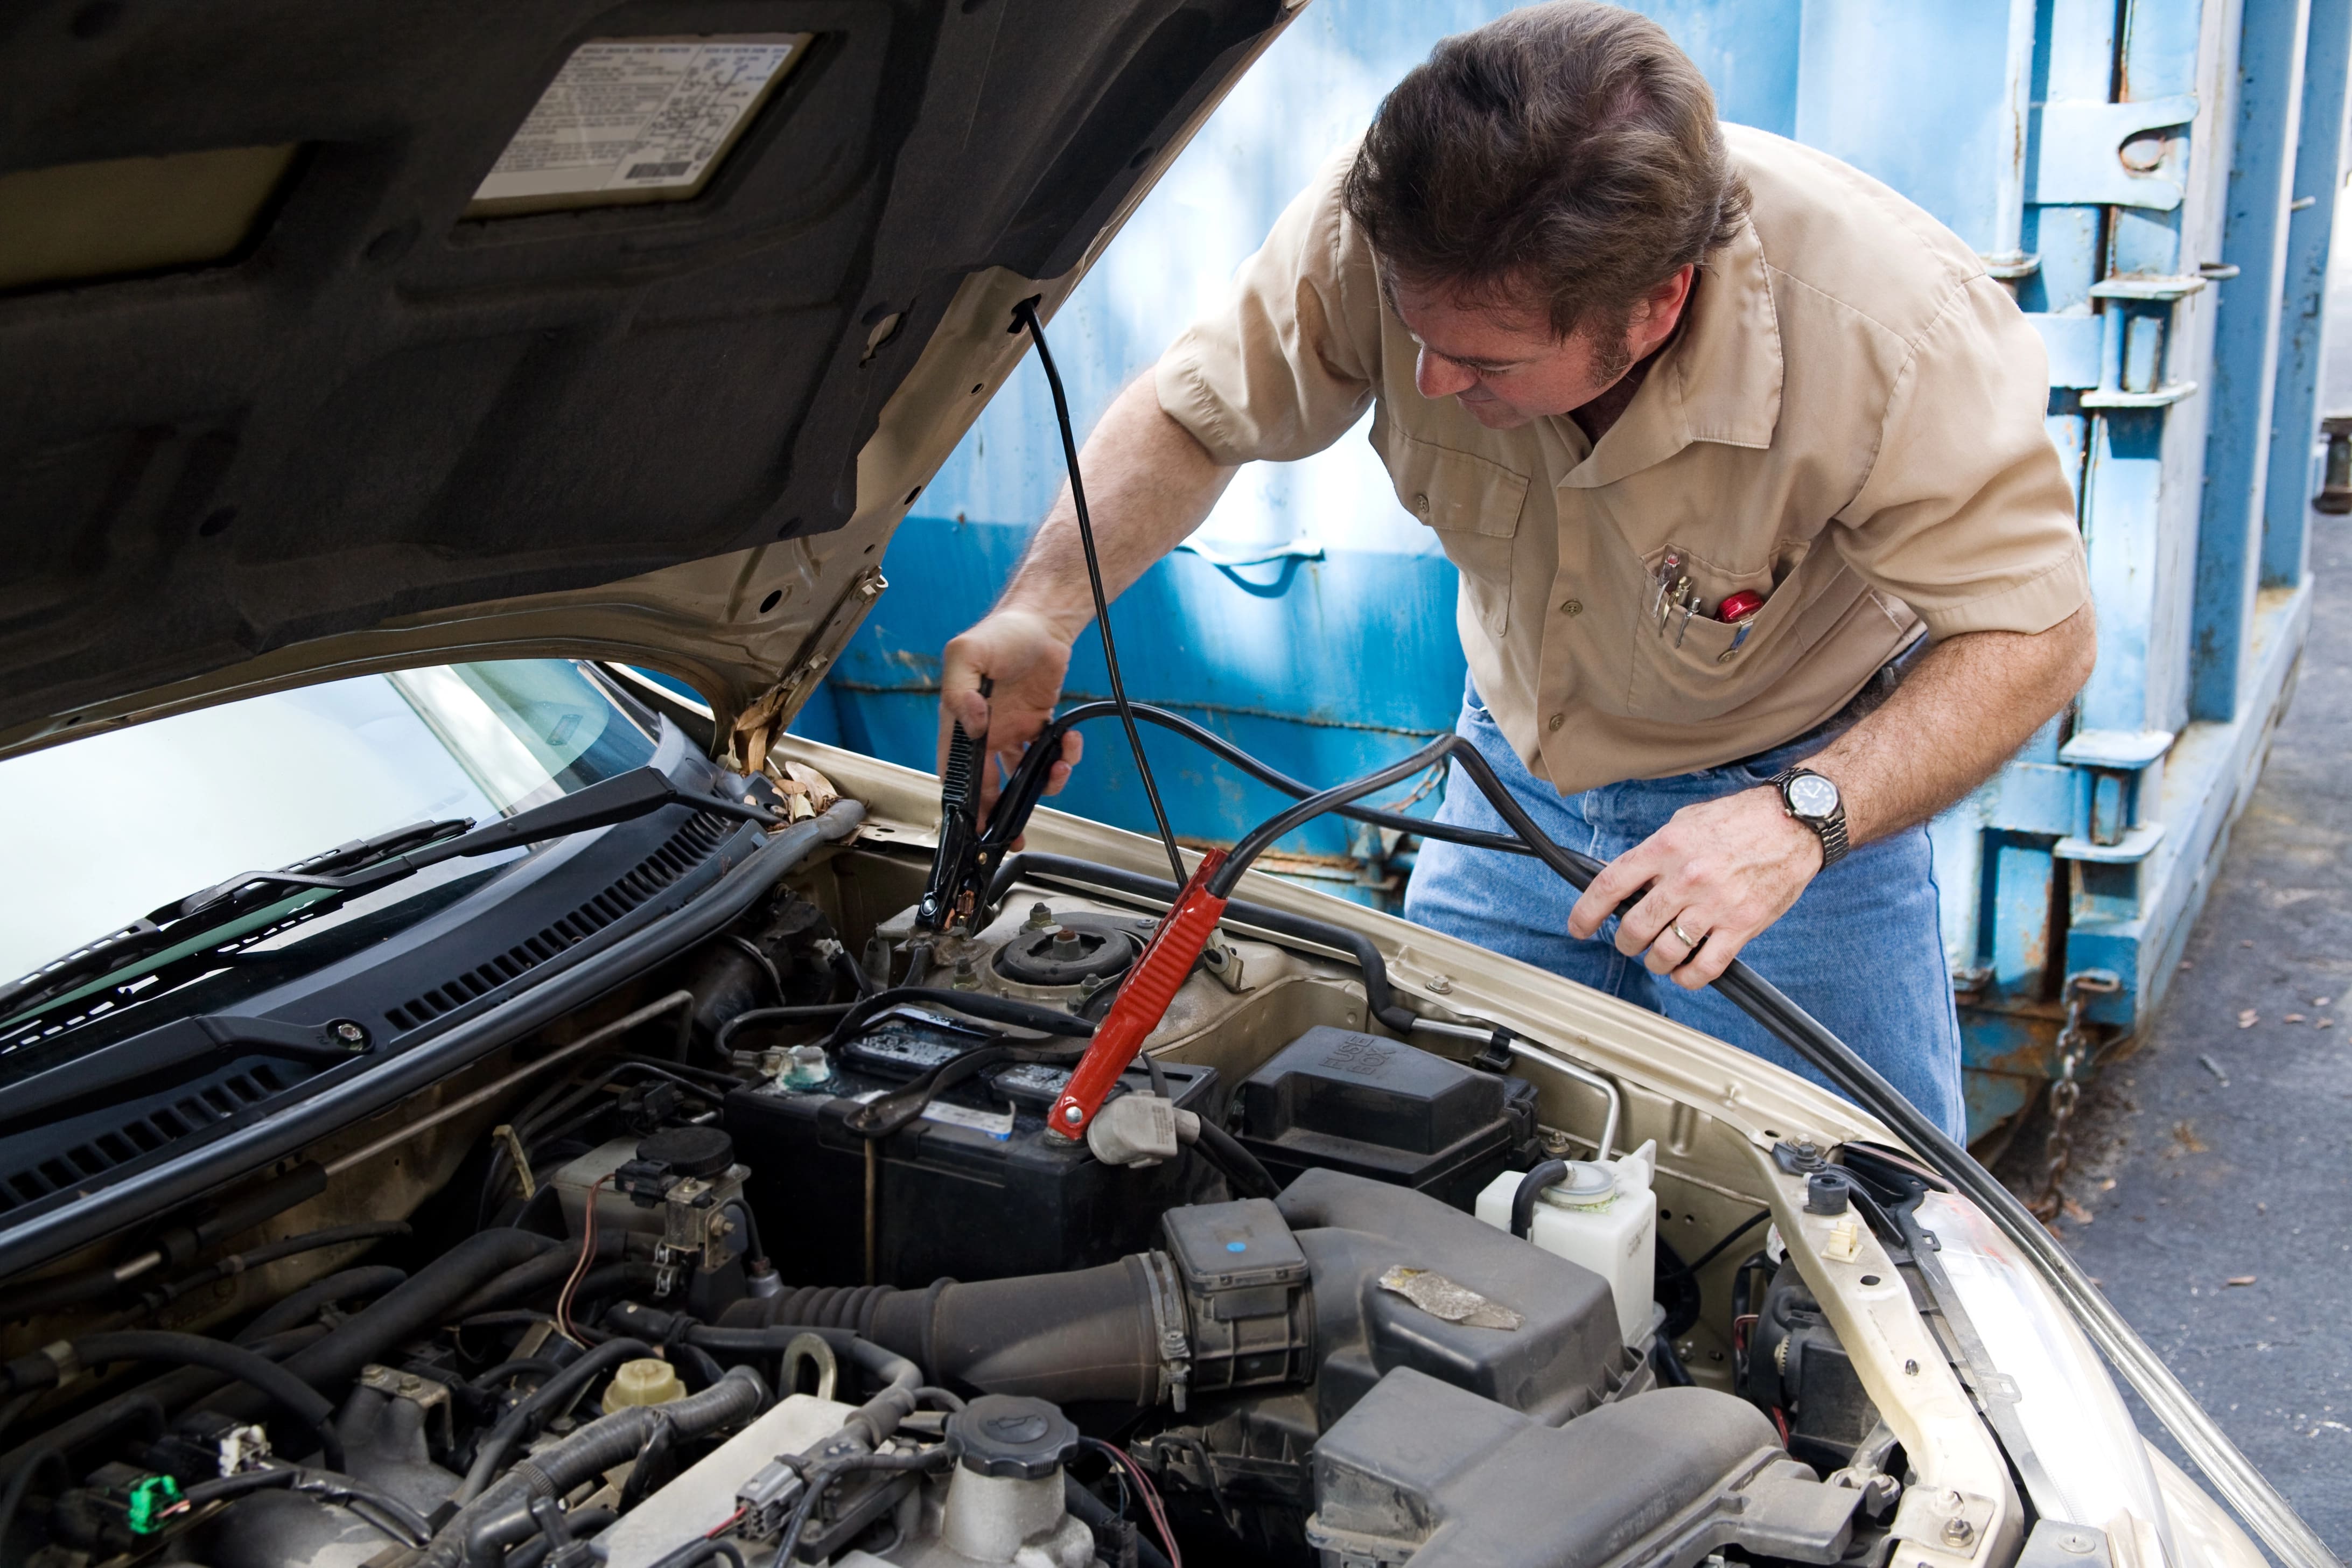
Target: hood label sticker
<point x="632" y="120"/>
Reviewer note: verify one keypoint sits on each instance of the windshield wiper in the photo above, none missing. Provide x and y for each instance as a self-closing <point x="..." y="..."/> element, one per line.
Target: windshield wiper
<point x="362" y="866"/>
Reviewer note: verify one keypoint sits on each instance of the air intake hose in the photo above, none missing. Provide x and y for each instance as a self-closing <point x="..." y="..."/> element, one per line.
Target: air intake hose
<point x="1091" y="1334"/>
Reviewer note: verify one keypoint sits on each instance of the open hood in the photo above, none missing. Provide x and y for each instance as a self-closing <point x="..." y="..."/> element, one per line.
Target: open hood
<point x="379" y="333"/>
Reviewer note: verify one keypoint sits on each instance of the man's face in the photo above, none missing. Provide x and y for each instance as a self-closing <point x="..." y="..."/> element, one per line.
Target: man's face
<point x="1504" y="365"/>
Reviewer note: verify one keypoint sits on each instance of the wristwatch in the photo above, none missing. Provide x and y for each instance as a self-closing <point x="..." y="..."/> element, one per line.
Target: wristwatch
<point x="1814" y="801"/>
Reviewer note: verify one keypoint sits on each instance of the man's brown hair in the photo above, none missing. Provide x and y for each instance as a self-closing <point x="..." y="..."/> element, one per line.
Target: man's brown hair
<point x="1566" y="155"/>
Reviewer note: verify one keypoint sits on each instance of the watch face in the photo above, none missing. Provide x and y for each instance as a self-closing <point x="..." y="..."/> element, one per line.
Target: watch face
<point x="1811" y="796"/>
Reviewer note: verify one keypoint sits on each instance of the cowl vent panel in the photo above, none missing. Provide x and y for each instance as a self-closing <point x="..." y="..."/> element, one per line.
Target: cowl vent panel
<point x="110" y="1140"/>
<point x="690" y="847"/>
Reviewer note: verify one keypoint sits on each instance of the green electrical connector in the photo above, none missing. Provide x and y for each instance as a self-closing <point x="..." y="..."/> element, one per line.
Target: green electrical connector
<point x="151" y="1497"/>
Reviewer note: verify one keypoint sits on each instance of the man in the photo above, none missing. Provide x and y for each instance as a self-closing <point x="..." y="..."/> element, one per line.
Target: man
<point x="1765" y="555"/>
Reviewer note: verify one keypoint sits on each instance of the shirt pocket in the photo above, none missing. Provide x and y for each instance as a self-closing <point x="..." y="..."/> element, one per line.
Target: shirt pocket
<point x="1696" y="668"/>
<point x="1473" y="505"/>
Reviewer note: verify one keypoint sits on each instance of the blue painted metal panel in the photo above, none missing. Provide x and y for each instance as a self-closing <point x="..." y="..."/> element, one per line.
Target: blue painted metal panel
<point x="2310" y="221"/>
<point x="2074" y="344"/>
<point x="1295" y="633"/>
<point x="2121" y="496"/>
<point x="2245" y="352"/>
<point x="1868" y="67"/>
<point x="2010" y="122"/>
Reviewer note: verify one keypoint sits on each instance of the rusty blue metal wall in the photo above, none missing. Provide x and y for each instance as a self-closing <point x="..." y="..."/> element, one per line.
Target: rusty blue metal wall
<point x="2155" y="179"/>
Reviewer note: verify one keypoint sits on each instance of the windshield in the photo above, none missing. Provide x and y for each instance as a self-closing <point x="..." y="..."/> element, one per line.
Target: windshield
<point x="110" y="827"/>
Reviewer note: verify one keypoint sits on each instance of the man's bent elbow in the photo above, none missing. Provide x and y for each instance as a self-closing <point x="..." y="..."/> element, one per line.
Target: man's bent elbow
<point x="2079" y="650"/>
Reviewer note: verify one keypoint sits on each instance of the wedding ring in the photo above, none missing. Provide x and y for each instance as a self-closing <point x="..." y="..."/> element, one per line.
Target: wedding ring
<point x="1687" y="939"/>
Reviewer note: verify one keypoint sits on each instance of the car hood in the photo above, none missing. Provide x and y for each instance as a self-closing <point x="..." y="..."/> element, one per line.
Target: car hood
<point x="338" y="340"/>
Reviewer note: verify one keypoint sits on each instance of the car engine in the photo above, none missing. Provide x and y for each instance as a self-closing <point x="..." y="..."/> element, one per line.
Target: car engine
<point x="772" y="1256"/>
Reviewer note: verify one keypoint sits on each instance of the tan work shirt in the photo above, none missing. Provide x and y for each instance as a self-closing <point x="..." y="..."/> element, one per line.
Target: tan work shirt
<point x="1849" y="422"/>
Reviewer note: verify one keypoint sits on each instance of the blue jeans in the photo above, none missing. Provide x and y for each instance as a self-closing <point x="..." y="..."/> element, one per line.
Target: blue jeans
<point x="1860" y="950"/>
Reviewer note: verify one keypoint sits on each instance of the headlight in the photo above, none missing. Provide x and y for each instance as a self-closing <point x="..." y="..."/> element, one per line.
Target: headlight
<point x="2074" y="1419"/>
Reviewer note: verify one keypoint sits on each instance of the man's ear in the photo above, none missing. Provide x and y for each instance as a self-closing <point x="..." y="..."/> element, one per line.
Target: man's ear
<point x="1654" y="314"/>
<point x="1665" y="301"/>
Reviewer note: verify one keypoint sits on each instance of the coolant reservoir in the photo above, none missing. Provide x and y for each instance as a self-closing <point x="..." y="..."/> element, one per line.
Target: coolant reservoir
<point x="1601" y="1217"/>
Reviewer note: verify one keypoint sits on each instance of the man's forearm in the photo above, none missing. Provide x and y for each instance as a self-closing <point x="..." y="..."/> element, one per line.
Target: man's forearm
<point x="1148" y="484"/>
<point x="1966" y="707"/>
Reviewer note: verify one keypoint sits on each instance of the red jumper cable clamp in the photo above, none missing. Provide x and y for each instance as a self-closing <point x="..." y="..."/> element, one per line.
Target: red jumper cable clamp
<point x="1143" y="1000"/>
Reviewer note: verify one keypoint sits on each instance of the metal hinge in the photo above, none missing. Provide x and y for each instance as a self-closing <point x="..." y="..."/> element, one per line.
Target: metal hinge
<point x="2081" y="162"/>
<point x="755" y="729"/>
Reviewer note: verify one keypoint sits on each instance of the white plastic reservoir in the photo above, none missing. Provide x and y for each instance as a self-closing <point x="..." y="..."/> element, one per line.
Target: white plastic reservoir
<point x="1602" y="1216"/>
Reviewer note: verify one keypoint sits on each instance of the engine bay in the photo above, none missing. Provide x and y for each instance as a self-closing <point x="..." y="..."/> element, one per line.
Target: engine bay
<point x="772" y="1254"/>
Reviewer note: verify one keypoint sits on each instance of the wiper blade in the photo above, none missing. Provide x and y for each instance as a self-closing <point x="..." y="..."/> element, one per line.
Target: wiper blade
<point x="319" y="871"/>
<point x="169" y="924"/>
<point x="362" y="866"/>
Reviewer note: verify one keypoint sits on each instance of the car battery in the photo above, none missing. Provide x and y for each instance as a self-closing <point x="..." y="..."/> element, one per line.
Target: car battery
<point x="975" y="1188"/>
<point x="1385" y="1109"/>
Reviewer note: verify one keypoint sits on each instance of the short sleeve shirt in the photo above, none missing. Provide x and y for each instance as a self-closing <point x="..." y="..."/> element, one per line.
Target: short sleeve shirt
<point x="1849" y="422"/>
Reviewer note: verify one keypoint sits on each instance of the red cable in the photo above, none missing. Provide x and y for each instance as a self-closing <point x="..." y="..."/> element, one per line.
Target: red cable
<point x="1143" y="1001"/>
<point x="1151" y="1495"/>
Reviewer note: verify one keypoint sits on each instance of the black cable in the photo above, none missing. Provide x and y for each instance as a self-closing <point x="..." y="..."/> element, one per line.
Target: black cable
<point x="1712" y="1253"/>
<point x="1024" y="314"/>
<point x="702" y="1080"/>
<point x="854" y="972"/>
<point x="283" y="1387"/>
<point x="1262" y="837"/>
<point x="821" y="1476"/>
<point x="1026" y="787"/>
<point x="268" y="1252"/>
<point x="514" y="1368"/>
<point x="814" y="1013"/>
<point x="1242" y="1171"/>
<point x="332" y="1485"/>
<point x="581" y="1522"/>
<point x="652" y="1460"/>
<point x="885" y="1114"/>
<point x="981" y="1004"/>
<point x="1675" y="1287"/>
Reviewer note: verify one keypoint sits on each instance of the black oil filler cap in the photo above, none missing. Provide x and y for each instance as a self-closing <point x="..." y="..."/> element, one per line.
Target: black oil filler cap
<point x="1013" y="1436"/>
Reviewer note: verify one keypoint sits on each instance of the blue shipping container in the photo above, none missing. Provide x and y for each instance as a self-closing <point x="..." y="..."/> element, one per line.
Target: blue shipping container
<point x="2156" y="182"/>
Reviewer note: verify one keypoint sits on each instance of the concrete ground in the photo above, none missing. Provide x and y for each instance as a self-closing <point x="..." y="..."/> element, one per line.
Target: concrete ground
<point x="2212" y="1194"/>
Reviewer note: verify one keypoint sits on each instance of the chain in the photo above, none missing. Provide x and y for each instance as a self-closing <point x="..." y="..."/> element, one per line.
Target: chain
<point x="2073" y="1046"/>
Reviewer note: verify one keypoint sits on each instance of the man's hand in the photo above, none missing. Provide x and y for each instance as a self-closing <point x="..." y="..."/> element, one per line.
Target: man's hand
<point x="1152" y="484"/>
<point x="1726" y="868"/>
<point x="1721" y="871"/>
<point x="1024" y="656"/>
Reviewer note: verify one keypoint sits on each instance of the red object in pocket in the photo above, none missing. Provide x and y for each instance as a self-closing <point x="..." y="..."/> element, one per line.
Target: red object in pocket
<point x="1739" y="606"/>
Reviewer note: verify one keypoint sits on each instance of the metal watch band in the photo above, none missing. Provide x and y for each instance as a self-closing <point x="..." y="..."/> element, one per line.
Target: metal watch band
<point x="1830" y="829"/>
